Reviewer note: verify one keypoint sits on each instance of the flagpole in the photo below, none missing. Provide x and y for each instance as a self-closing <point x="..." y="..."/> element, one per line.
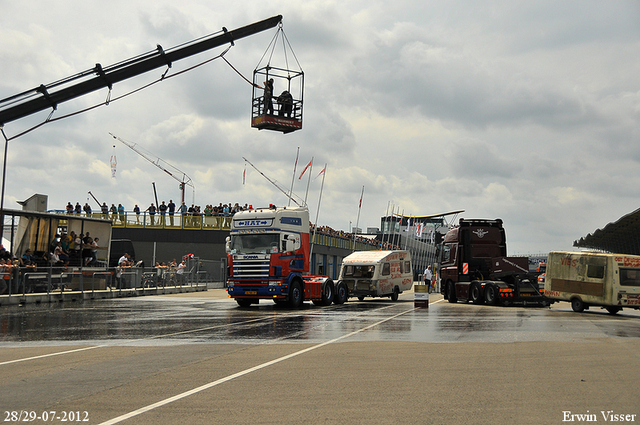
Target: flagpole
<point x="315" y="228"/>
<point x="293" y="176"/>
<point x="386" y="215"/>
<point x="308" y="180"/>
<point x="393" y="221"/>
<point x="353" y="247"/>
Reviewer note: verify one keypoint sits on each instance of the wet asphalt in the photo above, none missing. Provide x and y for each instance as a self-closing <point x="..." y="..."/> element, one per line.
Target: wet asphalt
<point x="198" y="358"/>
<point x="211" y="317"/>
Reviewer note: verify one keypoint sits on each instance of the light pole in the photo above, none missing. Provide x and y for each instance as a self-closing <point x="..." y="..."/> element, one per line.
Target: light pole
<point x="4" y="175"/>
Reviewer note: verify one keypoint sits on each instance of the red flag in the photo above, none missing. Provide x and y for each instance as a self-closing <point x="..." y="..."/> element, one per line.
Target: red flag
<point x="305" y="169"/>
<point x="244" y="175"/>
<point x="320" y="173"/>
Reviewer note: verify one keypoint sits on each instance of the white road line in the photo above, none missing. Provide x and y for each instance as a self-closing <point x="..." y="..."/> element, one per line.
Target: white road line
<point x="59" y="353"/>
<point x="242" y="373"/>
<point x="51" y="354"/>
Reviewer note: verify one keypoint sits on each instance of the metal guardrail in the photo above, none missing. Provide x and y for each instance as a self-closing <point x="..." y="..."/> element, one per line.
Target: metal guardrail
<point x="141" y="279"/>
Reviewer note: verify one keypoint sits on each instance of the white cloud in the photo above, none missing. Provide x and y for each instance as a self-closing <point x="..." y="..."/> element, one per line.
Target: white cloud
<point x="519" y="110"/>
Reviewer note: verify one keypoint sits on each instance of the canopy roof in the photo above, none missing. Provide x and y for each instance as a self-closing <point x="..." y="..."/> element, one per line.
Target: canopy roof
<point x="622" y="236"/>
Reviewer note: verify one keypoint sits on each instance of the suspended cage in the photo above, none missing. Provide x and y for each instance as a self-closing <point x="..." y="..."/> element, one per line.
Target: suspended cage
<point x="277" y="89"/>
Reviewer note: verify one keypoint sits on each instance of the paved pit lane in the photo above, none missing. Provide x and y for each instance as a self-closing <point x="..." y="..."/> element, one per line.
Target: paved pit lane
<point x="211" y="317"/>
<point x="199" y="358"/>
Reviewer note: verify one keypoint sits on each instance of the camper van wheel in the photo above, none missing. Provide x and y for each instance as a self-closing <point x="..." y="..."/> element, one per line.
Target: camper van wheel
<point x="476" y="294"/>
<point x="394" y="296"/>
<point x="451" y="293"/>
<point x="295" y="294"/>
<point x="613" y="310"/>
<point x="341" y="294"/>
<point x="577" y="305"/>
<point x="491" y="295"/>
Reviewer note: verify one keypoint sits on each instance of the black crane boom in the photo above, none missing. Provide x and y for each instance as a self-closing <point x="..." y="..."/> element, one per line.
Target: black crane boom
<point x="106" y="77"/>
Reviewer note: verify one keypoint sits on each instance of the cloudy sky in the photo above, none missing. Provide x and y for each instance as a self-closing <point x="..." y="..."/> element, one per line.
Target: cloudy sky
<point x="527" y="111"/>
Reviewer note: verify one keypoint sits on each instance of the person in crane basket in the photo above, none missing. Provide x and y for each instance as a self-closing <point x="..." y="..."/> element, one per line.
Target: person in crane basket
<point x="268" y="96"/>
<point x="285" y="100"/>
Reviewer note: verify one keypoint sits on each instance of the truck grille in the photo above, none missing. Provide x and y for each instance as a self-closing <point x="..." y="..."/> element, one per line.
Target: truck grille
<point x="251" y="268"/>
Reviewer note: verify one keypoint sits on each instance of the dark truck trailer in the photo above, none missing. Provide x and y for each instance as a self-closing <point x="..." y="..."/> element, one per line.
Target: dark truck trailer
<point x="474" y="266"/>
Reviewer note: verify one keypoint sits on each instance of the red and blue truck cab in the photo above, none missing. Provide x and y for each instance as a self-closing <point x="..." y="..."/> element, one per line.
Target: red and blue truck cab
<point x="268" y="258"/>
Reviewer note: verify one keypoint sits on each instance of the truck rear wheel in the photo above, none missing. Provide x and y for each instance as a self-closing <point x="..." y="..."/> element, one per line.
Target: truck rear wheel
<point x="327" y="294"/>
<point x="476" y="294"/>
<point x="295" y="294"/>
<point x="451" y="293"/>
<point x="491" y="295"/>
<point x="341" y="294"/>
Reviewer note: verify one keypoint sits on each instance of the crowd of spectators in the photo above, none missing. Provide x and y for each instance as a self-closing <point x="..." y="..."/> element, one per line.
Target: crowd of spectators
<point x="220" y="210"/>
<point x="326" y="230"/>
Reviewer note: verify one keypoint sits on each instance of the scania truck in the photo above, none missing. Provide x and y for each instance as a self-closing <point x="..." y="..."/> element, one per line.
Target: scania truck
<point x="474" y="267"/>
<point x="268" y="258"/>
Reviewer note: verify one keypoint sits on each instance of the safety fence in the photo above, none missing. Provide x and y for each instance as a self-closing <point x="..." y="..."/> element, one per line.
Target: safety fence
<point x="22" y="281"/>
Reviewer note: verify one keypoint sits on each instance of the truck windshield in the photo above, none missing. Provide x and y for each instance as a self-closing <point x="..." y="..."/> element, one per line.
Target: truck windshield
<point x="254" y="243"/>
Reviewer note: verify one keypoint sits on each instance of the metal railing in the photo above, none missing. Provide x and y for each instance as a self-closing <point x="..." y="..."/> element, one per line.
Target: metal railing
<point x="144" y="220"/>
<point x="49" y="281"/>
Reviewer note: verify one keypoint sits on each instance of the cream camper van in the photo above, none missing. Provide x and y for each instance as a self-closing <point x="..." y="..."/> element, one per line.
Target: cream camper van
<point x="611" y="281"/>
<point x="377" y="273"/>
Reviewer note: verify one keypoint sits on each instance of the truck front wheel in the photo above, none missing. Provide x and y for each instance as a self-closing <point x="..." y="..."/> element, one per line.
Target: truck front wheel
<point x="451" y="293"/>
<point x="295" y="294"/>
<point x="243" y="302"/>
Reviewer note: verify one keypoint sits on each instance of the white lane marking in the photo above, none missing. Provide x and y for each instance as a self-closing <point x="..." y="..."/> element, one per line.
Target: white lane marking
<point x="241" y="373"/>
<point x="51" y="355"/>
<point x="141" y="339"/>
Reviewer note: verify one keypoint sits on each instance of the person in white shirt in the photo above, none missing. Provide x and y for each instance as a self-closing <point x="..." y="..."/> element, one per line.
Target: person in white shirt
<point x="180" y="272"/>
<point x="428" y="277"/>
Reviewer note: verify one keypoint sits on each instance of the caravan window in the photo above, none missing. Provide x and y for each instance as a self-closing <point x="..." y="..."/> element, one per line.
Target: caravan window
<point x="386" y="269"/>
<point x="359" y="271"/>
<point x="629" y="277"/>
<point x="595" y="272"/>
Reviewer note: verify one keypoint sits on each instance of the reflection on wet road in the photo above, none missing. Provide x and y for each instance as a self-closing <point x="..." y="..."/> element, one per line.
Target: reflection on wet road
<point x="167" y="320"/>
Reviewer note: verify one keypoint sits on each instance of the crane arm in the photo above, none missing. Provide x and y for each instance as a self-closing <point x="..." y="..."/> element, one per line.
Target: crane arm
<point x="24" y="104"/>
<point x="185" y="178"/>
